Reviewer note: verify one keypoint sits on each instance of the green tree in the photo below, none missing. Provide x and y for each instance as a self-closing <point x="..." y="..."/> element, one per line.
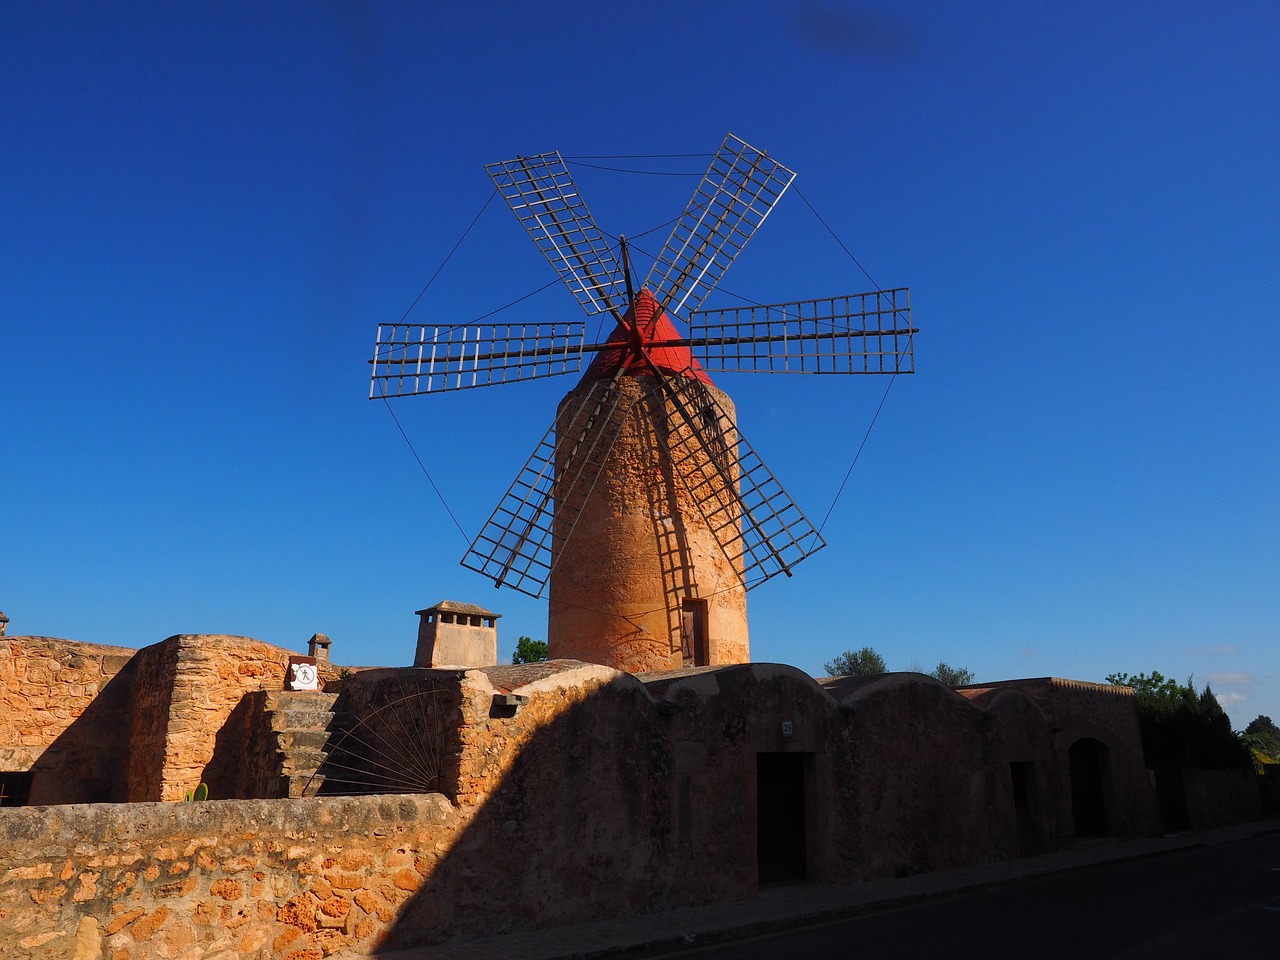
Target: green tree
<point x="856" y="663"/>
<point x="1262" y="737"/>
<point x="951" y="676"/>
<point x="1180" y="727"/>
<point x="1154" y="693"/>
<point x="1262" y="725"/>
<point x="529" y="651"/>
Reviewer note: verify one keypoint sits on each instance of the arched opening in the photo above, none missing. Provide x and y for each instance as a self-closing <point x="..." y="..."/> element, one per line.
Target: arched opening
<point x="1089" y="762"/>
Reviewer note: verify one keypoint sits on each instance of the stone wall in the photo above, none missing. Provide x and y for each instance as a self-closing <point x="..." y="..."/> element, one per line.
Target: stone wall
<point x="1271" y="788"/>
<point x="155" y="670"/>
<point x="1108" y="713"/>
<point x="929" y="795"/>
<point x="188" y="687"/>
<point x="565" y="815"/>
<point x="64" y="706"/>
<point x="246" y="762"/>
<point x="592" y="793"/>
<point x="1079" y="710"/>
<point x="95" y="723"/>
<point x="578" y="792"/>
<point x="561" y="774"/>
<point x="219" y="880"/>
<point x="1029" y="773"/>
<point x="1216" y="798"/>
<point x="718" y="721"/>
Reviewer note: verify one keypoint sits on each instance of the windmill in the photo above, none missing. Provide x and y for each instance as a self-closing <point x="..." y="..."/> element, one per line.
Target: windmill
<point x="643" y="508"/>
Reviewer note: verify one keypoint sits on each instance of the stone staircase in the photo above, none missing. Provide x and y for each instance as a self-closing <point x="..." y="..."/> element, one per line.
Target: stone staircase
<point x="304" y="727"/>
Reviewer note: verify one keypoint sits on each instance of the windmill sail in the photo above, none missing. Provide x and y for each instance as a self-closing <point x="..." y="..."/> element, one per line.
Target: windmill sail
<point x="545" y="200"/>
<point x="517" y="547"/>
<point x="410" y="359"/>
<point x="738" y="191"/>
<point x="757" y="524"/>
<point x="857" y="333"/>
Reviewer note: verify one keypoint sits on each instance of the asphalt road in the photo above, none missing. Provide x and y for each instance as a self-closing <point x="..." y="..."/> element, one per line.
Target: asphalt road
<point x="1208" y="903"/>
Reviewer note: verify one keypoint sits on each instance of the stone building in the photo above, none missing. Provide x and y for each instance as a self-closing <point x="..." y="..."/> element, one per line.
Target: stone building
<point x="408" y="805"/>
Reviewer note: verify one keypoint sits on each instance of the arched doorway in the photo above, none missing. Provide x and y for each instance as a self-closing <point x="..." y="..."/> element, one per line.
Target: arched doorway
<point x="1089" y="762"/>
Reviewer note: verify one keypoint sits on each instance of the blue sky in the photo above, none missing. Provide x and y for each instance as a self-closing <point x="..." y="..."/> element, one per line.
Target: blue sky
<point x="210" y="207"/>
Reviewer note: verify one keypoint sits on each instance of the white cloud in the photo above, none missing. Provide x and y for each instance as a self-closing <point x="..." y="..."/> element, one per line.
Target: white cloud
<point x="1220" y="649"/>
<point x="1231" y="699"/>
<point x="1230" y="679"/>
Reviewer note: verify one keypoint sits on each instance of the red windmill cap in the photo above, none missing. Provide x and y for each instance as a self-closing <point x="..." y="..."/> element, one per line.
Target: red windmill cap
<point x="653" y="326"/>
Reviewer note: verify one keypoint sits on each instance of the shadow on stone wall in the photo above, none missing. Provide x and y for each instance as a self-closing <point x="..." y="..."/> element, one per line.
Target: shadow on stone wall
<point x="636" y="797"/>
<point x="88" y="761"/>
<point x="230" y="773"/>
<point x="575" y="825"/>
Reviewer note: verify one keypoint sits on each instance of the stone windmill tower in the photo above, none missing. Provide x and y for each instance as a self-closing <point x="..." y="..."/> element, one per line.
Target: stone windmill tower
<point x="643" y="507"/>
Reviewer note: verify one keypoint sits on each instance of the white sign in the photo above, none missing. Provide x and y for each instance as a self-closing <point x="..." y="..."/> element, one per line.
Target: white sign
<point x="304" y="676"/>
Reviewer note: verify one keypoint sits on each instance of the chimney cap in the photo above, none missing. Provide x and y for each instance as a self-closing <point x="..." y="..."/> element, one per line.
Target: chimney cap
<point x="453" y="606"/>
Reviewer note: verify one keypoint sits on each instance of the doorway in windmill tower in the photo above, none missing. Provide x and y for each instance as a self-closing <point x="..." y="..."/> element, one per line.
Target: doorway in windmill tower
<point x="780" y="818"/>
<point x="693" y="632"/>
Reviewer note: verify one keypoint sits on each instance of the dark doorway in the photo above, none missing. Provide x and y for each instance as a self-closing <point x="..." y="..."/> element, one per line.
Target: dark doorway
<point x="1088" y="758"/>
<point x="1026" y="807"/>
<point x="15" y="789"/>
<point x="780" y="834"/>
<point x="693" y="628"/>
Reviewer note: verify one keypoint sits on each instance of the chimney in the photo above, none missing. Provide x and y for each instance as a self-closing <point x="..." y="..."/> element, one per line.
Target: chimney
<point x="317" y="646"/>
<point x="454" y="634"/>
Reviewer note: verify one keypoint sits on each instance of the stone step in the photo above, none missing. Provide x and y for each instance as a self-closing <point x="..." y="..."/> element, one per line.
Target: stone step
<point x="308" y="720"/>
<point x="295" y="780"/>
<point x="302" y="765"/>
<point x="307" y="710"/>
<point x="293" y="699"/>
<point x="295" y="786"/>
<point x="307" y="733"/>
<point x="311" y="717"/>
<point x="293" y="740"/>
<point x="314" y="757"/>
<point x="309" y="760"/>
<point x="311" y="739"/>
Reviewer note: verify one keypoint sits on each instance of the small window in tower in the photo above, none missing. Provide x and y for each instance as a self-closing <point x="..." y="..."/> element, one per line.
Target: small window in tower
<point x="693" y="630"/>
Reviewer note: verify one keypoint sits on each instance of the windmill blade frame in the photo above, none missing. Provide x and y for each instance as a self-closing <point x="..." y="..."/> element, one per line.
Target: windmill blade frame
<point x="542" y="194"/>
<point x="520" y="543"/>
<point x="760" y="528"/>
<point x="740" y="188"/>
<point x="855" y="333"/>
<point x="411" y="359"/>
